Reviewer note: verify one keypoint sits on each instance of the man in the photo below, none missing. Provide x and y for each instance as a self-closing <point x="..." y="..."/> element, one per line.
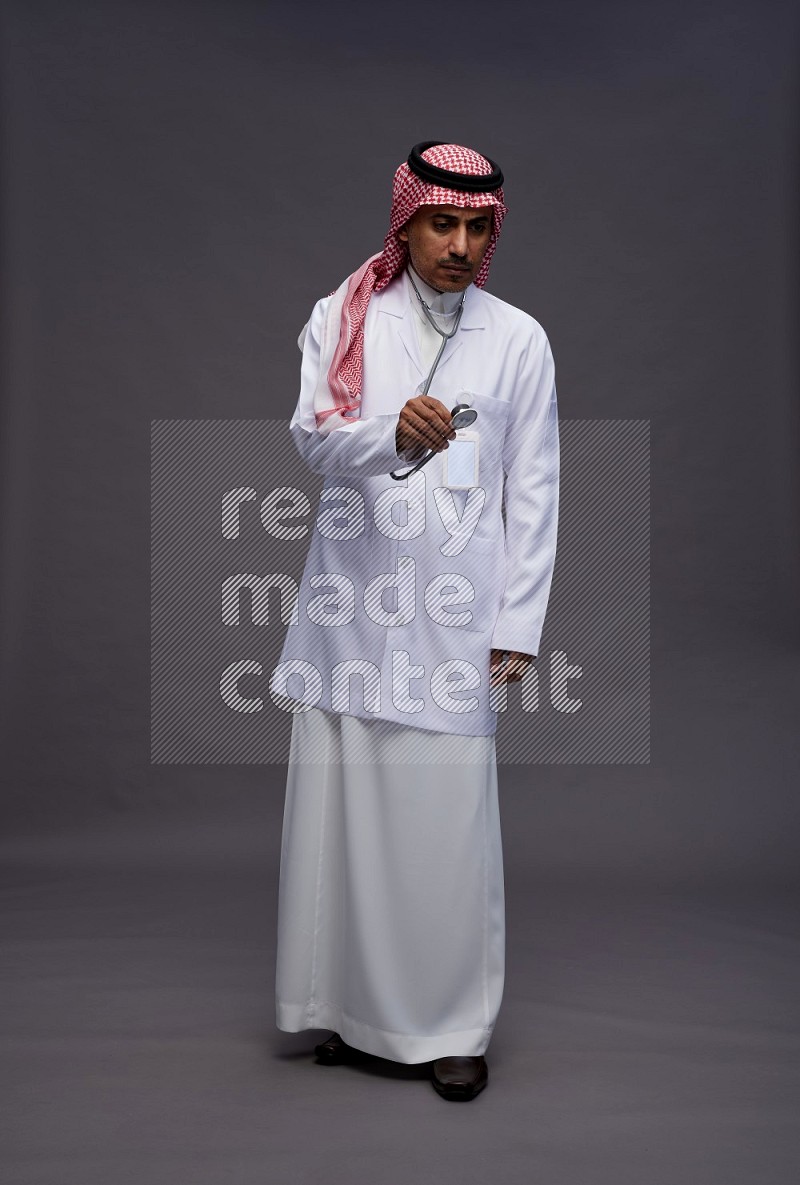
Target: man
<point x="423" y="594"/>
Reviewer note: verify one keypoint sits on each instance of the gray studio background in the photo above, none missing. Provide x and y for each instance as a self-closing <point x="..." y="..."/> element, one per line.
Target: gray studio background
<point x="180" y="183"/>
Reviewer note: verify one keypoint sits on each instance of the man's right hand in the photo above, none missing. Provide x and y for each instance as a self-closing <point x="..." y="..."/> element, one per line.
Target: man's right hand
<point x="424" y="421"/>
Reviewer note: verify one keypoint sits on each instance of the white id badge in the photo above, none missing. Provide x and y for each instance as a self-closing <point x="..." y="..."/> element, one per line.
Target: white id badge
<point x="460" y="470"/>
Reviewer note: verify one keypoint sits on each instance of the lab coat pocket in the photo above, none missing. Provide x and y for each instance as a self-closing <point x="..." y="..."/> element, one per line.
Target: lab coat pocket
<point x="482" y="564"/>
<point x="491" y="425"/>
<point x="487" y="546"/>
<point x="492" y="414"/>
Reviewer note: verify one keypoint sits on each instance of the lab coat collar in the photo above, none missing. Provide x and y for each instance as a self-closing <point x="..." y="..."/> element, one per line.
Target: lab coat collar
<point x="396" y="301"/>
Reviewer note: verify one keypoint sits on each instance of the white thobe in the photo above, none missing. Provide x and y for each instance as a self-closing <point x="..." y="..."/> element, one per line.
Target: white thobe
<point x="391" y="920"/>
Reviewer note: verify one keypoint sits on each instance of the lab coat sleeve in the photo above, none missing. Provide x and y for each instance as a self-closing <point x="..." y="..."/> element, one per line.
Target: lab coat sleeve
<point x="362" y="448"/>
<point x="531" y="467"/>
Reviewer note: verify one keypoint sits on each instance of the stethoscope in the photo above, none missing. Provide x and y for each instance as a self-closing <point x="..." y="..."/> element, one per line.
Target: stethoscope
<point x="462" y="414"/>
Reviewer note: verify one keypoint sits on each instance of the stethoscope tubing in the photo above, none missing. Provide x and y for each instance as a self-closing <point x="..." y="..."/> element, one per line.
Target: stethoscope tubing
<point x="426" y="388"/>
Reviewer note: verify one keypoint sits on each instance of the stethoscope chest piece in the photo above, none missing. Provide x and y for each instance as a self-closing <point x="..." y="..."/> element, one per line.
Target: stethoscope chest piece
<point x="463" y="415"/>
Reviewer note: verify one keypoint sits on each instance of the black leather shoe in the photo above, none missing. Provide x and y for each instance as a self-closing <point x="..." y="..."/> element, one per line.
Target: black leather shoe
<point x="459" y="1078"/>
<point x="333" y="1051"/>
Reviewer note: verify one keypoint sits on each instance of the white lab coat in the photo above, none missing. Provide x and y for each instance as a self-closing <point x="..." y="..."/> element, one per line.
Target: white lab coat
<point x="424" y="649"/>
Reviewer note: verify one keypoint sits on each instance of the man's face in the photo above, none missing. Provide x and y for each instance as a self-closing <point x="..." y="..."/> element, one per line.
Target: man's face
<point x="447" y="244"/>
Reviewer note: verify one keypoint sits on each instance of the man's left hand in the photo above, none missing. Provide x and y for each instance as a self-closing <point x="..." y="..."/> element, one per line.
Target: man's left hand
<point x="513" y="670"/>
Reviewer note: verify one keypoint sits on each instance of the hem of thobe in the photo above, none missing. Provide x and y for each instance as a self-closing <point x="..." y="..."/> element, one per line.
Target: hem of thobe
<point x="397" y="1047"/>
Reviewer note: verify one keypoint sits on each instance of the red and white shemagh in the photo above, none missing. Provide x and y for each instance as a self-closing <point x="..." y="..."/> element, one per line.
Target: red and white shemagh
<point x="337" y="399"/>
